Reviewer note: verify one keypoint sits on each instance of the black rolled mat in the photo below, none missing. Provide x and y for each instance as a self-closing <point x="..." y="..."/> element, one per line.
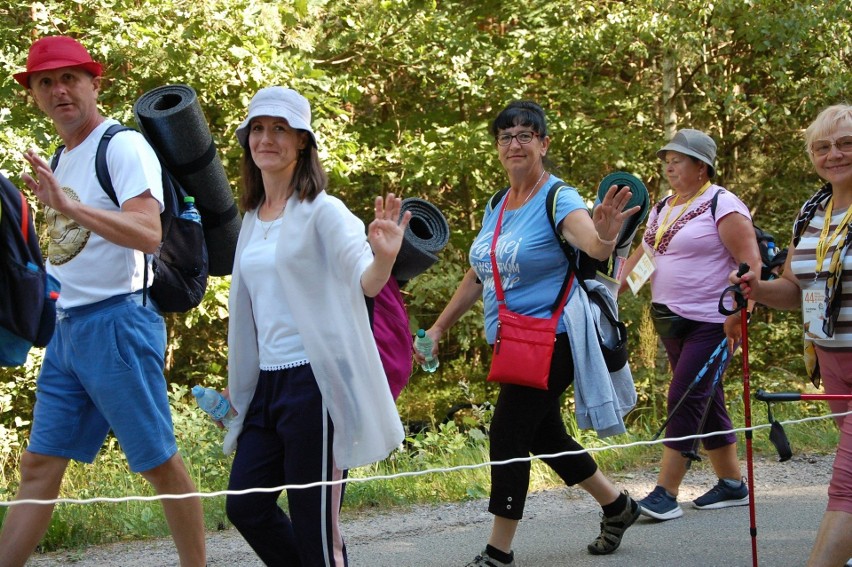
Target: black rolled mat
<point x="171" y="119"/>
<point x="427" y="234"/>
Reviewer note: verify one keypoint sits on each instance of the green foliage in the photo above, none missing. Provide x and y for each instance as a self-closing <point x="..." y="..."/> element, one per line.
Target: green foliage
<point x="17" y="396"/>
<point x="402" y="94"/>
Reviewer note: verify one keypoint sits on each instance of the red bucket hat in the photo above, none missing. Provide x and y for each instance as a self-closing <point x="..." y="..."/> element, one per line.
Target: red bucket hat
<point x="55" y="52"/>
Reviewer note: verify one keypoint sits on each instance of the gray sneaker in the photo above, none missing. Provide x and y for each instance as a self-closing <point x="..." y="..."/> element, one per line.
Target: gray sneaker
<point x="485" y="560"/>
<point x="723" y="495"/>
<point x="612" y="529"/>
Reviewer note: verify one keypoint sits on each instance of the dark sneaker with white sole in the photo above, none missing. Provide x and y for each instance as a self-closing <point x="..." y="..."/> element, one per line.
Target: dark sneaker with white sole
<point x="660" y="505"/>
<point x="723" y="495"/>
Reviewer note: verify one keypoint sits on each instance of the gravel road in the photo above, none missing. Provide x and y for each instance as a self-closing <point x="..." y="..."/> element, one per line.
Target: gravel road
<point x="790" y="500"/>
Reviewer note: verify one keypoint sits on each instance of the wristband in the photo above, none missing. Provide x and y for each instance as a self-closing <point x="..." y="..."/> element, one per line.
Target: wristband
<point x="607" y="242"/>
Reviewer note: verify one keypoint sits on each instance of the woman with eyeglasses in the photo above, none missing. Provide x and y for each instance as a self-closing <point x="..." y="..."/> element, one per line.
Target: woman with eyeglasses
<point x="812" y="280"/>
<point x="693" y="238"/>
<point x="528" y="420"/>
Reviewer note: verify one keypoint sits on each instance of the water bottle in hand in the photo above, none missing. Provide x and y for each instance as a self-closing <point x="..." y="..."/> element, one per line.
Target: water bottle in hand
<point x="189" y="211"/>
<point x="424" y="346"/>
<point x="215" y="404"/>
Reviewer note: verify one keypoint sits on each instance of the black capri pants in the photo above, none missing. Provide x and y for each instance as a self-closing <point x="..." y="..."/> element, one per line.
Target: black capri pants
<point x="529" y="421"/>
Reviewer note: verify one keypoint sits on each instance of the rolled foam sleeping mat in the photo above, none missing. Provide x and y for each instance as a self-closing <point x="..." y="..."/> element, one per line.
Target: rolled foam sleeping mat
<point x="426" y="235"/>
<point x="171" y="119"/>
<point x="640" y="197"/>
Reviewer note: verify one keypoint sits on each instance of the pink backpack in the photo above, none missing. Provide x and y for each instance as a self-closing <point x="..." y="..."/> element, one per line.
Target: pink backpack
<point x="393" y="337"/>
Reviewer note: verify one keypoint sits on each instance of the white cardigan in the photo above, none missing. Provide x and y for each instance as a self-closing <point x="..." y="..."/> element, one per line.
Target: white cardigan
<point x="321" y="253"/>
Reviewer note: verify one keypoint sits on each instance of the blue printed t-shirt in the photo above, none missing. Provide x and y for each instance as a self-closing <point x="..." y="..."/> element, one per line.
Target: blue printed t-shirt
<point x="531" y="263"/>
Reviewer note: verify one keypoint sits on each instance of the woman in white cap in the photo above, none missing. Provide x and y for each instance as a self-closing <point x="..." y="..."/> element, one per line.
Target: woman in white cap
<point x="693" y="239"/>
<point x="818" y="268"/>
<point x="304" y="374"/>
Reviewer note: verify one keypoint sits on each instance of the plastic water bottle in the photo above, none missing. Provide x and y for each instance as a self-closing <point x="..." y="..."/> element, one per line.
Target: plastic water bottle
<point x="189" y="211"/>
<point x="214" y="403"/>
<point x="424" y="345"/>
<point x="771" y="250"/>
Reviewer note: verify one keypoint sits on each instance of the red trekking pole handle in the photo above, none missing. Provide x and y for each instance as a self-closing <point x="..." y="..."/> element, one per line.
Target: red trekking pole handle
<point x="764" y="396"/>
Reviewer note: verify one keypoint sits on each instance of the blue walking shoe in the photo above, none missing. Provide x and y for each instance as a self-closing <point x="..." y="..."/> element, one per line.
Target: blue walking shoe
<point x="723" y="495"/>
<point x="660" y="505"/>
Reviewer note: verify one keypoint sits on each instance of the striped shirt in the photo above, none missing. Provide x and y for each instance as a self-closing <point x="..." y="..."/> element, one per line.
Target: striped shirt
<point x="804" y="267"/>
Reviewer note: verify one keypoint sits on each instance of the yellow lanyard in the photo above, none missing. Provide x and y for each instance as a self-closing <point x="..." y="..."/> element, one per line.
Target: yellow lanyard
<point x="665" y="225"/>
<point x="824" y="242"/>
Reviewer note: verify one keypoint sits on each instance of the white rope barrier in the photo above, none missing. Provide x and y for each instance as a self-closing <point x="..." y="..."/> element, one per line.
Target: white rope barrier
<point x="404" y="474"/>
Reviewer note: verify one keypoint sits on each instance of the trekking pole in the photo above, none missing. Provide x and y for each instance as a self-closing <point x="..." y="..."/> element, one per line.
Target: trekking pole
<point x="748" y="433"/>
<point x="719" y="350"/>
<point x="742" y="304"/>
<point x="777" y="435"/>
<point x="764" y="396"/>
<point x="692" y="454"/>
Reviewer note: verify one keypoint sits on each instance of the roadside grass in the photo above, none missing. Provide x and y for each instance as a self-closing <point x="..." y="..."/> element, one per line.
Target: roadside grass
<point x="445" y="445"/>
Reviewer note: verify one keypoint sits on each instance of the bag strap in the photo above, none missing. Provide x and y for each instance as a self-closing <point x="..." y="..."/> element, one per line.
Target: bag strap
<point x="105" y="181"/>
<point x="25" y="219"/>
<point x="569" y="250"/>
<point x="561" y="299"/>
<point x="101" y="168"/>
<point x="714" y="201"/>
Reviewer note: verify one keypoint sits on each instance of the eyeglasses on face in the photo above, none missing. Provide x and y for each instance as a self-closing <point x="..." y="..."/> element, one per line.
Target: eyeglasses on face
<point x="523" y="138"/>
<point x="823" y="147"/>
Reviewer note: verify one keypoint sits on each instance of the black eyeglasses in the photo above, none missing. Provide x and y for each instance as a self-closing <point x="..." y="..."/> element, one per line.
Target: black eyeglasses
<point x="523" y="138"/>
<point x="823" y="147"/>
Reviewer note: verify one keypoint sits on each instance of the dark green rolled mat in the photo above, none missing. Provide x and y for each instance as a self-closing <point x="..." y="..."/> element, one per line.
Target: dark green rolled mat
<point x="171" y="119"/>
<point x="640" y="197"/>
<point x="426" y="235"/>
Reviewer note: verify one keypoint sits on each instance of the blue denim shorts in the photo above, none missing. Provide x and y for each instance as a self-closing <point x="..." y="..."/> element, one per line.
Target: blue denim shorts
<point x="102" y="371"/>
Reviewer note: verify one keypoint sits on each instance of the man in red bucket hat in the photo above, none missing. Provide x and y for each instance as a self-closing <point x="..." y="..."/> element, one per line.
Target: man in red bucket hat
<point x="103" y="368"/>
<point x="55" y="52"/>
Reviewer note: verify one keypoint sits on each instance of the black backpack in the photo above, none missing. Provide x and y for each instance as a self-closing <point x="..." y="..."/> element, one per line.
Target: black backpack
<point x="27" y="294"/>
<point x="180" y="265"/>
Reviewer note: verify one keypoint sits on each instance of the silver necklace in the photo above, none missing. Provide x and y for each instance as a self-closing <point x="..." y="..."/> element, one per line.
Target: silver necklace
<point x="530" y="192"/>
<point x="266" y="228"/>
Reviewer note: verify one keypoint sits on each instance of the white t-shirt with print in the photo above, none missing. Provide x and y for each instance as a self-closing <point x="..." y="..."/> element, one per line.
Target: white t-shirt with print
<point x="90" y="268"/>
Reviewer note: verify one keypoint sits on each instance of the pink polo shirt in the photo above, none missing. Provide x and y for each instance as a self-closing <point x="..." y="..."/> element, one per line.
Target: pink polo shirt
<point x="692" y="264"/>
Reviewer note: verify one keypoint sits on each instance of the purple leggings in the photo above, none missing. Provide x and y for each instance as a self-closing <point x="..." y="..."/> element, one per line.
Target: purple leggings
<point x="687" y="357"/>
